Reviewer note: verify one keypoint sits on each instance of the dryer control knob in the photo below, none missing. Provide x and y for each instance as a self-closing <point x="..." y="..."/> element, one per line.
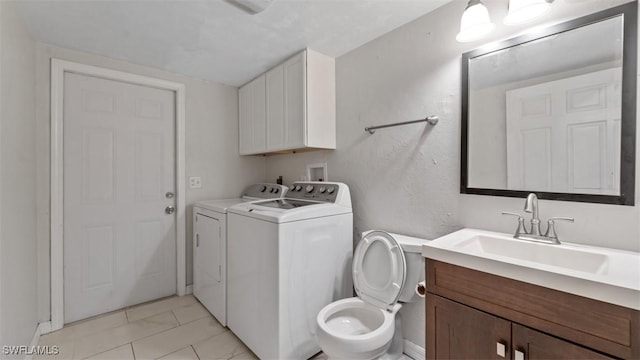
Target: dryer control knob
<point x="331" y="190"/>
<point x="263" y="188"/>
<point x="309" y="188"/>
<point x="322" y="189"/>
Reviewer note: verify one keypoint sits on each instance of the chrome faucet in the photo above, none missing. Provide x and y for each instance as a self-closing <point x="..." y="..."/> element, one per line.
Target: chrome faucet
<point x="531" y="206"/>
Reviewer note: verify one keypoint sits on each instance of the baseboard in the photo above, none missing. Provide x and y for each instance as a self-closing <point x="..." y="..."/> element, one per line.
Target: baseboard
<point x="45" y="327"/>
<point x="189" y="290"/>
<point x="34" y="342"/>
<point x="413" y="351"/>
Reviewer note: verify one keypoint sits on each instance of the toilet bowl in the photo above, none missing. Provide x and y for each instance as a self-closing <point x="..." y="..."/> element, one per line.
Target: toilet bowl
<point x="385" y="268"/>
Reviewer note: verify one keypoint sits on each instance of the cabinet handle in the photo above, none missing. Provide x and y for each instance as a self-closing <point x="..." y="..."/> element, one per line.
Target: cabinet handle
<point x="518" y="355"/>
<point x="501" y="348"/>
<point x="197" y="240"/>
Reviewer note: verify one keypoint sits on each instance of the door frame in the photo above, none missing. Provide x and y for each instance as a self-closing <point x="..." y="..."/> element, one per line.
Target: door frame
<point x="58" y="68"/>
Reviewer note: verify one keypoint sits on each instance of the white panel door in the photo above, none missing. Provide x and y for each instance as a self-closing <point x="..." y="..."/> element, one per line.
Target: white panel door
<point x="564" y="135"/>
<point x="209" y="264"/>
<point x="119" y="163"/>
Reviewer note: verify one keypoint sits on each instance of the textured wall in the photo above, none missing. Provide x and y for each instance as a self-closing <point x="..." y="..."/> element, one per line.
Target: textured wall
<point x="211" y="146"/>
<point x="18" y="304"/>
<point x="406" y="179"/>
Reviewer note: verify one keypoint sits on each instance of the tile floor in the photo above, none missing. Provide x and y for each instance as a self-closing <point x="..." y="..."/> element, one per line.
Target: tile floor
<point x="170" y="328"/>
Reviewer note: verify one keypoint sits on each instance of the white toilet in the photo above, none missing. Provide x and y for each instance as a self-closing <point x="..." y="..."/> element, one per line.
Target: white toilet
<point x="386" y="268"/>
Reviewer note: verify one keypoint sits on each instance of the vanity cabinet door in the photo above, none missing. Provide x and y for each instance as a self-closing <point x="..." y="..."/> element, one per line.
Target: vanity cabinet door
<point x="529" y="344"/>
<point x="456" y="331"/>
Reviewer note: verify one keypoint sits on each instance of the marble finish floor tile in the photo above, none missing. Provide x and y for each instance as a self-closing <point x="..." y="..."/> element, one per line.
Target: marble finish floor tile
<point x="169" y="341"/>
<point x="187" y="314"/>
<point x="124" y="352"/>
<point x="157" y="307"/>
<point x="182" y="354"/>
<point x="83" y="328"/>
<point x="112" y="338"/>
<point x="222" y="346"/>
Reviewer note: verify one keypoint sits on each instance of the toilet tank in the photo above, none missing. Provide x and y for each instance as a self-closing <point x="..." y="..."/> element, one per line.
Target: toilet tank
<point x="412" y="248"/>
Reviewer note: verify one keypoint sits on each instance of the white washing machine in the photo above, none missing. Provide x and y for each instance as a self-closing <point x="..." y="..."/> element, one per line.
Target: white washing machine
<point x="287" y="259"/>
<point x="210" y="246"/>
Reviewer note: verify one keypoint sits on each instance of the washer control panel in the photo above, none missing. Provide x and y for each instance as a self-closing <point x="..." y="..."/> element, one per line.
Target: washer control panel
<point x="265" y="191"/>
<point x="316" y="191"/>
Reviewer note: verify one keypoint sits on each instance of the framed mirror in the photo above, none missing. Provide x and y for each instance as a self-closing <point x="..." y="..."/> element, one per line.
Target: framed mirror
<point x="554" y="112"/>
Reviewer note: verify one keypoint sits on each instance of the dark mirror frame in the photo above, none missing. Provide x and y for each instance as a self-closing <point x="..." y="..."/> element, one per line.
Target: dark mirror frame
<point x="628" y="117"/>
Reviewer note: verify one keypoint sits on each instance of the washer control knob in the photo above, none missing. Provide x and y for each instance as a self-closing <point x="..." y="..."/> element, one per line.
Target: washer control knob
<point x="272" y="190"/>
<point x="331" y="190"/>
<point x="322" y="189"/>
<point x="297" y="188"/>
<point x="263" y="188"/>
<point x="309" y="188"/>
<point x="276" y="190"/>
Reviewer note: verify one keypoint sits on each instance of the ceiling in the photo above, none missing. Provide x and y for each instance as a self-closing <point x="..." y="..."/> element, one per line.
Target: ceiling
<point x="212" y="39"/>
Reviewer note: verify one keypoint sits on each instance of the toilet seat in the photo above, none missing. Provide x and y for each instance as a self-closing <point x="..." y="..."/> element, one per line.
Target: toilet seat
<point x="379" y="270"/>
<point x="339" y="342"/>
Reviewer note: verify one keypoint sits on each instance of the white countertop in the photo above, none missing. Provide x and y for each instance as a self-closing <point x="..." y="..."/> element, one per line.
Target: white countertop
<point x="616" y="281"/>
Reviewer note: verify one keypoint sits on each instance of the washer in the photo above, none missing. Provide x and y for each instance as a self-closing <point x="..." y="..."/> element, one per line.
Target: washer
<point x="210" y="246"/>
<point x="287" y="259"/>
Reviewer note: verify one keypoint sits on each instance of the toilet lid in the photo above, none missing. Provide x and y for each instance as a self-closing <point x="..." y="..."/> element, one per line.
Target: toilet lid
<point x="379" y="269"/>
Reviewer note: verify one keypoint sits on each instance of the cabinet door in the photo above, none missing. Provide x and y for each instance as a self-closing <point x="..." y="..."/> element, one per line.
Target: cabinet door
<point x="252" y="117"/>
<point x="245" y="118"/>
<point x="295" y="87"/>
<point x="456" y="331"/>
<point x="531" y="344"/>
<point x="259" y="115"/>
<point x="209" y="265"/>
<point x="276" y="128"/>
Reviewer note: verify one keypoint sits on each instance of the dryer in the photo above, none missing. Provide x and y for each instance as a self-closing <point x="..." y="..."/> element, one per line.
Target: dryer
<point x="287" y="259"/>
<point x="210" y="246"/>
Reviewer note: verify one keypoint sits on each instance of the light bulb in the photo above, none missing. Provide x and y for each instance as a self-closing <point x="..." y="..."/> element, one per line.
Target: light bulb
<point x="475" y="22"/>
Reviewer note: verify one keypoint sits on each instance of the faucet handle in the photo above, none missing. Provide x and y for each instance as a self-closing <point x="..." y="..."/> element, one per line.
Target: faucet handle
<point x="551" y="228"/>
<point x="521" y="229"/>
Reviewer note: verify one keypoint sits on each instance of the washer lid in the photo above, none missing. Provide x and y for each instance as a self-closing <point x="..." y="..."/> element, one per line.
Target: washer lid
<point x="379" y="269"/>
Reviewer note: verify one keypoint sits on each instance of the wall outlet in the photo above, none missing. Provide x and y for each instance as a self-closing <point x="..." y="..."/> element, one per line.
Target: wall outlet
<point x="195" y="182"/>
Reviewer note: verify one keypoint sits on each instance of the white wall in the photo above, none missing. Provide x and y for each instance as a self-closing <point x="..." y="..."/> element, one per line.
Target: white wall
<point x="406" y="179"/>
<point x="211" y="146"/>
<point x="18" y="305"/>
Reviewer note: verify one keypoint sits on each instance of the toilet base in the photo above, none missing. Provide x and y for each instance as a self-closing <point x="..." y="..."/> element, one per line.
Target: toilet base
<point x="395" y="349"/>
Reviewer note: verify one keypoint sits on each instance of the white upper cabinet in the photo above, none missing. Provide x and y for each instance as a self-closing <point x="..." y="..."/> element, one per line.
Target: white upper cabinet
<point x="300" y="111"/>
<point x="252" y="115"/>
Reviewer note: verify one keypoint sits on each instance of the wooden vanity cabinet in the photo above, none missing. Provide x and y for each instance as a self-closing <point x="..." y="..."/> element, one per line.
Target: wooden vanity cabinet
<point x="476" y="315"/>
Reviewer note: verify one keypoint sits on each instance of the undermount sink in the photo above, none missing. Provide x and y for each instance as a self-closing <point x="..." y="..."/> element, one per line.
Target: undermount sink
<point x="553" y="255"/>
<point x="604" y="274"/>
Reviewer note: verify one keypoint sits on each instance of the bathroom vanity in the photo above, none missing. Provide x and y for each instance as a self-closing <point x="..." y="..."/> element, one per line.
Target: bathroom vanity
<point x="495" y="302"/>
<point x="472" y="314"/>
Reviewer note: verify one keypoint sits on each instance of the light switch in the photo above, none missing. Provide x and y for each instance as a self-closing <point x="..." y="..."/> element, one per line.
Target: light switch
<point x="195" y="182"/>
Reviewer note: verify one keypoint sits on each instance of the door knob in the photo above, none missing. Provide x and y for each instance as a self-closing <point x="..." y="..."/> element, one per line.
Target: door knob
<point x="169" y="209"/>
